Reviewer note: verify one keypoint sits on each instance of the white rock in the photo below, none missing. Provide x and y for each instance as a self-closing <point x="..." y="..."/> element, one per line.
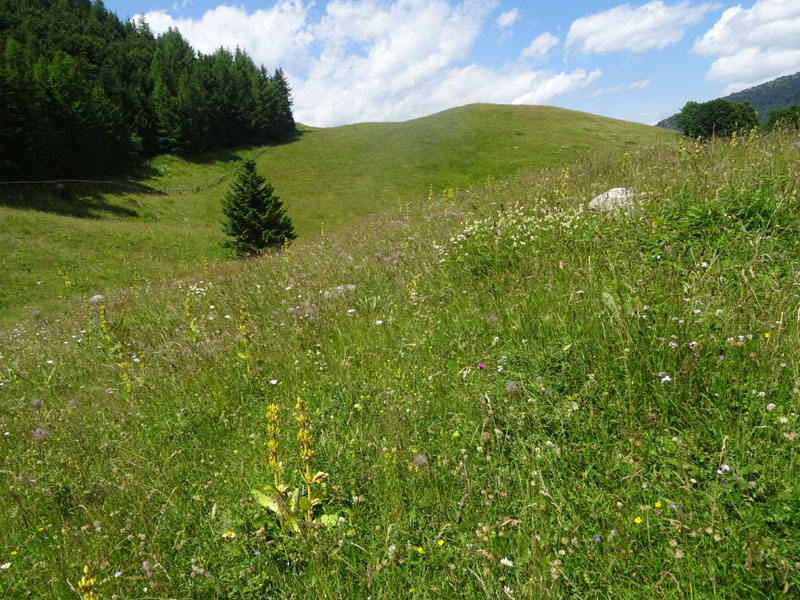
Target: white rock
<point x="614" y="200"/>
<point x="95" y="299"/>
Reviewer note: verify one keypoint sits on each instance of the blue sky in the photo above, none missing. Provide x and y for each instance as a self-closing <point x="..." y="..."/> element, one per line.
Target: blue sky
<point x="352" y="61"/>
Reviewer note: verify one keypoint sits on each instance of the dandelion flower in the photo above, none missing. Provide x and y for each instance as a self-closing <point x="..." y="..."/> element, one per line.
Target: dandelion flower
<point x="504" y="561"/>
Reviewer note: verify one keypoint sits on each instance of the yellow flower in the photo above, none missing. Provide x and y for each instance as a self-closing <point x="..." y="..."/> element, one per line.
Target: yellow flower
<point x="637" y="520"/>
<point x="420" y="550"/>
<point x="440" y="542"/>
<point x="658" y="504"/>
<point x="766" y="335"/>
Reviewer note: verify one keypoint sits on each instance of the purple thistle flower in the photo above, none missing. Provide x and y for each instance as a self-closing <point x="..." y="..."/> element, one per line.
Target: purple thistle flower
<point x="481" y="366"/>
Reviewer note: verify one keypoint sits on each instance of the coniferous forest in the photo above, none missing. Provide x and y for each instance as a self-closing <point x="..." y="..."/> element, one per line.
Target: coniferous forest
<point x="83" y="93"/>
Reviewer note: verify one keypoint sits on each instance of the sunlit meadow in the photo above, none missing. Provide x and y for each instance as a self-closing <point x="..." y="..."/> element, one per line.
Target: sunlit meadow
<point x="489" y="394"/>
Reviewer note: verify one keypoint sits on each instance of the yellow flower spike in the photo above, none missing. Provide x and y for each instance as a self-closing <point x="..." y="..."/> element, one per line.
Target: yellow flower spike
<point x="86" y="586"/>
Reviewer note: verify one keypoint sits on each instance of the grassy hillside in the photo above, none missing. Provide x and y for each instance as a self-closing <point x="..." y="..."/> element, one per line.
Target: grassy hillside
<point x="512" y="397"/>
<point x="60" y="247"/>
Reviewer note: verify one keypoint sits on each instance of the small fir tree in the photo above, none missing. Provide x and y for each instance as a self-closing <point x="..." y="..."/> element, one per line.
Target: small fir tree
<point x="256" y="218"/>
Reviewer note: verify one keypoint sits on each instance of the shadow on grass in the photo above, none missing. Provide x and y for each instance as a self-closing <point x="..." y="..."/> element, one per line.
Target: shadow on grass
<point x="68" y="200"/>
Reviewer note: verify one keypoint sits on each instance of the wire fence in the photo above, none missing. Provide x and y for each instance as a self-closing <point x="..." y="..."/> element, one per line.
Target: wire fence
<point x="127" y="186"/>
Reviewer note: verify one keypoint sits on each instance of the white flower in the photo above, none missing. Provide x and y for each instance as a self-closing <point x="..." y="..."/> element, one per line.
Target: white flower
<point x="378" y="322"/>
<point x="228" y="535"/>
<point x="770" y="407"/>
<point x="506" y="562"/>
<point x="273" y="382"/>
<point x="118" y="574"/>
<point x="5" y="566"/>
<point x="666" y="379"/>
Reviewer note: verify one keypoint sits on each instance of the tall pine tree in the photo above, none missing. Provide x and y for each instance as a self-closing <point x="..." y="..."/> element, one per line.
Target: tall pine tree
<point x="256" y="218"/>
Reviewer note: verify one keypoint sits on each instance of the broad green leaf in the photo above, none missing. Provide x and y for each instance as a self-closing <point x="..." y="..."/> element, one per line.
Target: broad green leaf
<point x="266" y="500"/>
<point x="328" y="520"/>
<point x="304" y="503"/>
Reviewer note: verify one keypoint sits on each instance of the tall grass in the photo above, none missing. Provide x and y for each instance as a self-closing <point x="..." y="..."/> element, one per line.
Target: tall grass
<point x="512" y="396"/>
<point x="58" y="247"/>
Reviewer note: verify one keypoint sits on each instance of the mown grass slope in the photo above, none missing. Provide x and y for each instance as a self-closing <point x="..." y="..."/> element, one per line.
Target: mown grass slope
<point x="512" y="397"/>
<point x="57" y="247"/>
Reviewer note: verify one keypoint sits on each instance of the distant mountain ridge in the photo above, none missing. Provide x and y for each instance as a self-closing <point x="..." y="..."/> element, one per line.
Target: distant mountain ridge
<point x="778" y="93"/>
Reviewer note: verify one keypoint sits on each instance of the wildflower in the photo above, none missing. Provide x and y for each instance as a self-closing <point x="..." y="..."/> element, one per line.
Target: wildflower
<point x="596" y="537"/>
<point x="504" y="561"/>
<point x="770" y="407"/>
<point x="481" y="366"/>
<point x="766" y="335"/>
<point x="658" y="505"/>
<point x="228" y="535"/>
<point x="441" y="543"/>
<point x="420" y="550"/>
<point x="637" y="520"/>
<point x="5" y="566"/>
<point x="86" y="586"/>
<point x="666" y="379"/>
<point x="378" y="322"/>
<point x="118" y="574"/>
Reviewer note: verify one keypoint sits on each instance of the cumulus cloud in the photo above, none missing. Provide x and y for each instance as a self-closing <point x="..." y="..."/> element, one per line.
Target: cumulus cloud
<point x="654" y="25"/>
<point x="275" y="36"/>
<point x="508" y="18"/>
<point x="753" y="45"/>
<point x="621" y="88"/>
<point x="539" y="47"/>
<point x="373" y="60"/>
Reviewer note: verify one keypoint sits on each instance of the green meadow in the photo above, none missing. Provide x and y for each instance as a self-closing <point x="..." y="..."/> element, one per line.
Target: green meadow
<point x="60" y="246"/>
<point x="492" y="392"/>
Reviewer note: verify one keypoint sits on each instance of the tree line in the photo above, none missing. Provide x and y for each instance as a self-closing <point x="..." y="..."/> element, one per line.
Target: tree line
<point x="723" y="117"/>
<point x="83" y="93"/>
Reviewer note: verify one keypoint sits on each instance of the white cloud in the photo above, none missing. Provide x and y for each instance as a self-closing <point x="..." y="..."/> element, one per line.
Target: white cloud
<point x="622" y="88"/>
<point x="654" y="25"/>
<point x="539" y="47"/>
<point x="508" y="18"/>
<point x="377" y="60"/>
<point x="273" y="37"/>
<point x="753" y="45"/>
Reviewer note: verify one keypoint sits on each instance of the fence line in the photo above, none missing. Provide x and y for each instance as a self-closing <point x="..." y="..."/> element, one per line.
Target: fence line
<point x="142" y="190"/>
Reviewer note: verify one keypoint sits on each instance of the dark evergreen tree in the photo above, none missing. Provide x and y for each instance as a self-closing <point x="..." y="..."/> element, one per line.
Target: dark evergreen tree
<point x="83" y="94"/>
<point x="255" y="216"/>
